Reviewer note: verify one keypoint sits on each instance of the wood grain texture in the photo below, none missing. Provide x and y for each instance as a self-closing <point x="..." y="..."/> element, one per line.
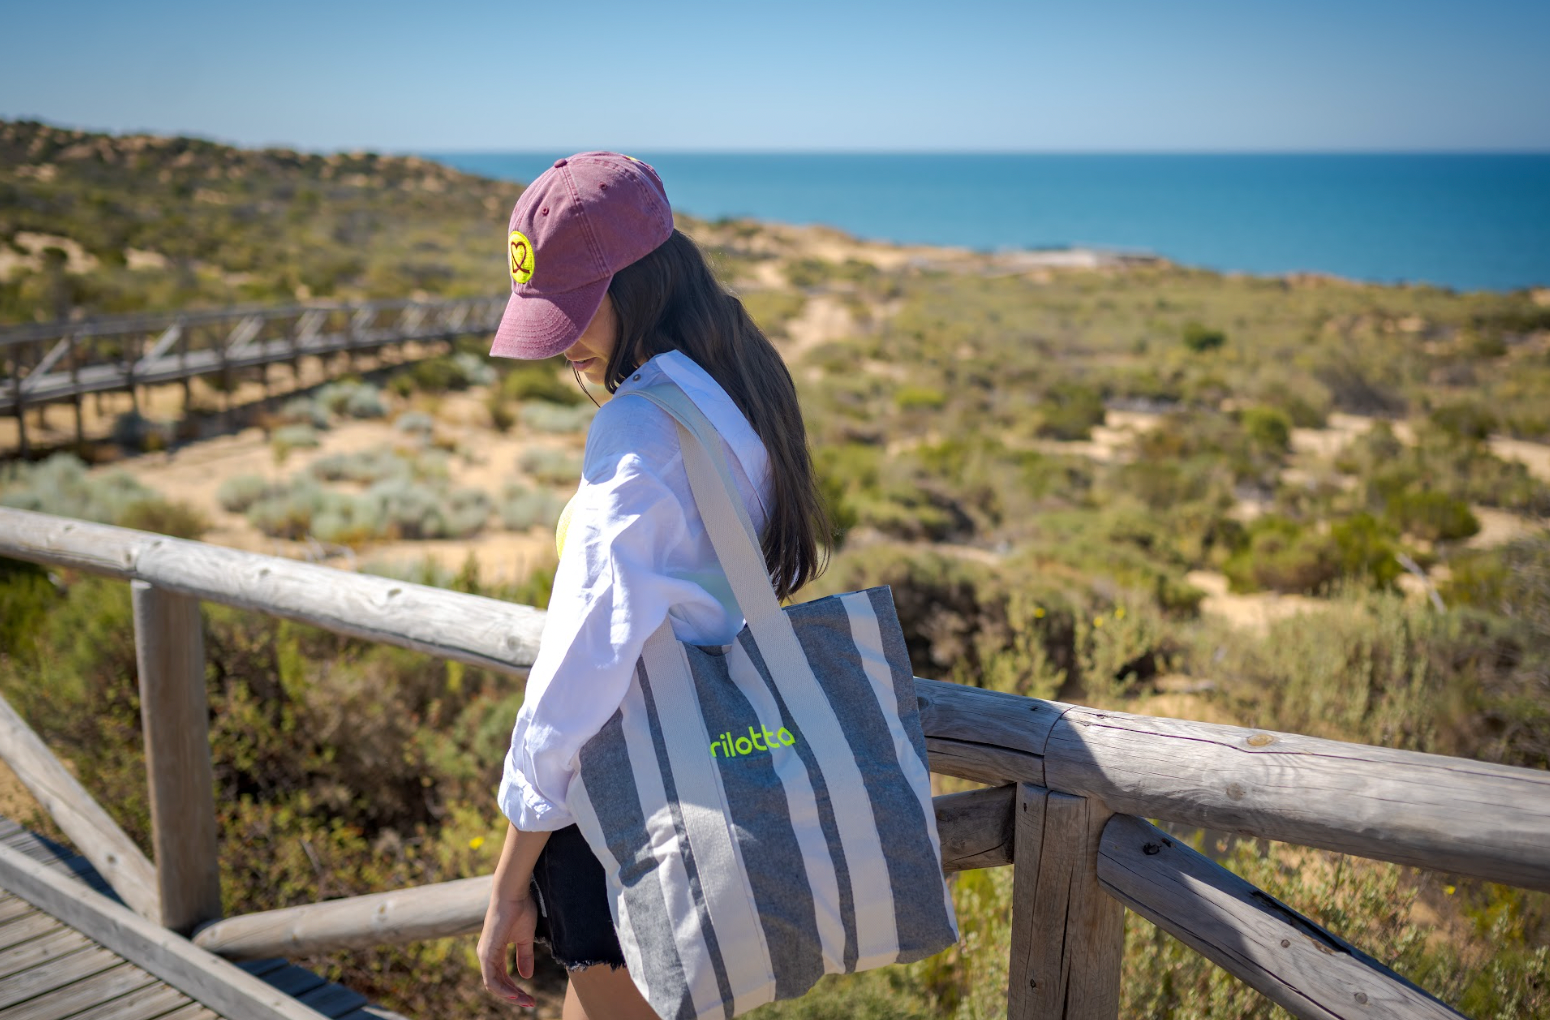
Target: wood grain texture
<point x="1448" y="814"/>
<point x="174" y="713"/>
<point x="1257" y="938"/>
<point x="1095" y="926"/>
<point x="89" y="827"/>
<point x="142" y="1004"/>
<point x="356" y="922"/>
<point x="28" y="926"/>
<point x="55" y="941"/>
<point x="1067" y="934"/>
<point x="225" y="988"/>
<point x="1025" y="966"/>
<point x="975" y="828"/>
<point x="59" y="972"/>
<point x="983" y="763"/>
<point x="63" y="1002"/>
<point x="468" y="628"/>
<point x="974" y="715"/>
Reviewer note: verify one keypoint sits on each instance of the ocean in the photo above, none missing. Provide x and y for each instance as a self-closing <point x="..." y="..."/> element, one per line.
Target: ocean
<point x="1466" y="221"/>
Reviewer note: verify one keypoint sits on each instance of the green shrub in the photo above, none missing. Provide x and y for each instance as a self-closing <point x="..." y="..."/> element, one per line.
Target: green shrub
<point x="413" y="511"/>
<point x="521" y="508"/>
<point x="287" y="511"/>
<point x="373" y="465"/>
<point x="134" y="432"/>
<point x="1200" y="338"/>
<point x="1070" y="412"/>
<point x="303" y="411"/>
<point x="1433" y="516"/>
<point x="502" y="418"/>
<point x="771" y="310"/>
<point x="292" y="437"/>
<point x="1282" y="555"/>
<point x="542" y="416"/>
<point x="1466" y="420"/>
<point x="365" y="402"/>
<point x="415" y="423"/>
<point x="62" y="485"/>
<point x="540" y="380"/>
<point x="550" y="466"/>
<point x="1269" y="428"/>
<point x="919" y="398"/>
<point x="815" y="272"/>
<point x="166" y="518"/>
<point x="1367" y="549"/>
<point x="238" y="493"/>
<point x="456" y="371"/>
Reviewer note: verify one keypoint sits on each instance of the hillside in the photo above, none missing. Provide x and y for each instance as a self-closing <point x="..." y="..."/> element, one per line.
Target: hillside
<point x="143" y="222"/>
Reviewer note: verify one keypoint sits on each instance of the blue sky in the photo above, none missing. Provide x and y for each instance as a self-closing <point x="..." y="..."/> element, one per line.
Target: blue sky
<point x="1371" y="75"/>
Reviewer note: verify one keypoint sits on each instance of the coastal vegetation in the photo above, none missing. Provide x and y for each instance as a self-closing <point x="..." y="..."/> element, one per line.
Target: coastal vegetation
<point x="1301" y="504"/>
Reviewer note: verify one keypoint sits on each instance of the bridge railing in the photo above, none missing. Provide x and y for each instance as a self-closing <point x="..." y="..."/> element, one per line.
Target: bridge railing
<point x="46" y="363"/>
<point x="1070" y="789"/>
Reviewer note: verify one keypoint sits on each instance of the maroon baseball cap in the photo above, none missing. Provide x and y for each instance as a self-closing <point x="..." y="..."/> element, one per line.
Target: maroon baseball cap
<point x="577" y="224"/>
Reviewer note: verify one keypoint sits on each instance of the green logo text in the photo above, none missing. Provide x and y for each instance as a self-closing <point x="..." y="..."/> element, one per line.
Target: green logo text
<point x="761" y="739"/>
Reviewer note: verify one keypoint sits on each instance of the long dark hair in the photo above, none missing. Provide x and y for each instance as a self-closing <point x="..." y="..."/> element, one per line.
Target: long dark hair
<point x="670" y="301"/>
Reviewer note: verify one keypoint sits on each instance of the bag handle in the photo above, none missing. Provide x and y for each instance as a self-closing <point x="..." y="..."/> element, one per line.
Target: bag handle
<point x="731" y="531"/>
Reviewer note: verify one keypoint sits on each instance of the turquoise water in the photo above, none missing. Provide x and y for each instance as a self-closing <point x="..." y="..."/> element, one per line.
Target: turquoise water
<point x="1462" y="221"/>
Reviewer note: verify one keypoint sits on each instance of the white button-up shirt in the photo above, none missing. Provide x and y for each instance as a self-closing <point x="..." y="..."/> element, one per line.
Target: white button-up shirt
<point x="635" y="553"/>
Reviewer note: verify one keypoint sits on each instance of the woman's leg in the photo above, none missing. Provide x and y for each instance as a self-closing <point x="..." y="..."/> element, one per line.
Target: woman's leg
<point x="604" y="993"/>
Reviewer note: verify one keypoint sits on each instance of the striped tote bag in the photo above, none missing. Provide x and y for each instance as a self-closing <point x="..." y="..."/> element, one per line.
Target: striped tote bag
<point x="764" y="814"/>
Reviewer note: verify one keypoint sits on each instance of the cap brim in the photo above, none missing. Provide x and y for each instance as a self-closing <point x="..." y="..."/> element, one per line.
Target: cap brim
<point x="538" y="326"/>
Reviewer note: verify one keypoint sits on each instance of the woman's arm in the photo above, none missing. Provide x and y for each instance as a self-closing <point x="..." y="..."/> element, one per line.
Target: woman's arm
<point x="512" y="915"/>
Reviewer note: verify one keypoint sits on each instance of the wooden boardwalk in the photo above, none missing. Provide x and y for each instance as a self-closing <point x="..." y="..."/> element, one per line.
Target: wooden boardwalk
<point x="50" y="971"/>
<point x="44" y="363"/>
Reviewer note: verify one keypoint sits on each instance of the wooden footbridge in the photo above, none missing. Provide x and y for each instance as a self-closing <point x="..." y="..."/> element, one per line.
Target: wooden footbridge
<point x="1069" y="791"/>
<point x="62" y="362"/>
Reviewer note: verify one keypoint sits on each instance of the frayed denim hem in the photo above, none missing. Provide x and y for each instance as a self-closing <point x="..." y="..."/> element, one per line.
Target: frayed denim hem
<point x="584" y="964"/>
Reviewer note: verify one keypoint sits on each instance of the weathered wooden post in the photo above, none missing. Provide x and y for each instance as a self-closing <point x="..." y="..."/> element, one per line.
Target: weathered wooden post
<point x="21" y="408"/>
<point x="131" y="355"/>
<point x="1068" y="935"/>
<point x="73" y="354"/>
<point x="169" y="650"/>
<point x="187" y="379"/>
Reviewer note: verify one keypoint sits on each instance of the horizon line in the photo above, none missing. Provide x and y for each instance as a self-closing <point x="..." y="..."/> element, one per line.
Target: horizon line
<point x="545" y="152"/>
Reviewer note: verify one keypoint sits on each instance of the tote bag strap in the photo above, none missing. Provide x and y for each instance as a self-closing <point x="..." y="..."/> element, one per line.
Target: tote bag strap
<point x="732" y="533"/>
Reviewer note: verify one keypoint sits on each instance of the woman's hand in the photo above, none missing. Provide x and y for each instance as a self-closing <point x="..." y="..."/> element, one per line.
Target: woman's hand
<point x="508" y="922"/>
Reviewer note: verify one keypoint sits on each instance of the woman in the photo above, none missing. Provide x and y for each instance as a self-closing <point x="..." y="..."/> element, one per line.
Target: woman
<point x="599" y="273"/>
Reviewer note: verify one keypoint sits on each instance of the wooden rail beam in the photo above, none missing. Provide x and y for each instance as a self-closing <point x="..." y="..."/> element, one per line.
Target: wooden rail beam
<point x="985" y="736"/>
<point x="975" y="828"/>
<point x="1428" y="810"/>
<point x="422" y="912"/>
<point x="1253" y="936"/>
<point x="175" y="713"/>
<point x="88" y="826"/>
<point x="469" y="628"/>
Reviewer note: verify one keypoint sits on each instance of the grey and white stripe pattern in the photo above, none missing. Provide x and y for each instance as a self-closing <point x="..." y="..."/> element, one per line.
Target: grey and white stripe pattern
<point x="764" y="815"/>
<point x="732" y="883"/>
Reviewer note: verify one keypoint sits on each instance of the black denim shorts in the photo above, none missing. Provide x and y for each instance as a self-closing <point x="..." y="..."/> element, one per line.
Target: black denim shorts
<point x="572" y="894"/>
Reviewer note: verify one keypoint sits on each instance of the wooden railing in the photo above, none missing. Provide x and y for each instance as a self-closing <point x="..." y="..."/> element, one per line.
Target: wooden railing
<point x="53" y="362"/>
<point x="1070" y="787"/>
